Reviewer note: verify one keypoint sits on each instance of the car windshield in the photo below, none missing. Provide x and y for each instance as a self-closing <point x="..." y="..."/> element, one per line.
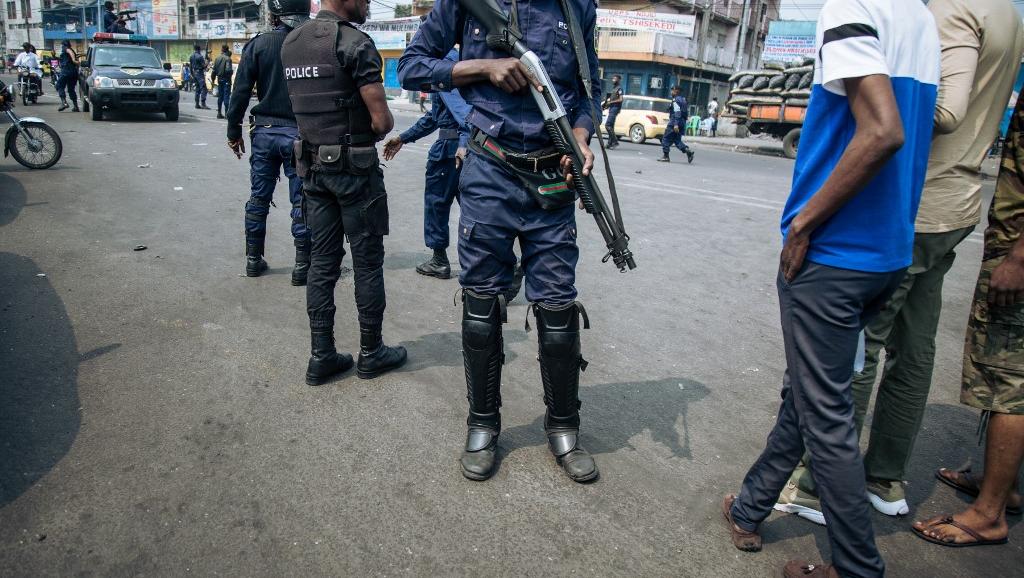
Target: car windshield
<point x="127" y="57"/>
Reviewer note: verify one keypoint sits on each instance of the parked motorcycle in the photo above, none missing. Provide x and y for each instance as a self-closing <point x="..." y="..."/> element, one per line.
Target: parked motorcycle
<point x="28" y="85"/>
<point x="31" y="141"/>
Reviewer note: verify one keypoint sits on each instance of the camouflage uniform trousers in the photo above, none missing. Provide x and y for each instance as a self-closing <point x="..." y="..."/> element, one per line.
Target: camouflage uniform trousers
<point x="993" y="378"/>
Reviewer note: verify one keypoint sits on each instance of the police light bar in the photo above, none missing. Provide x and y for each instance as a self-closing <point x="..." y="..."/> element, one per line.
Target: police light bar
<point x="117" y="36"/>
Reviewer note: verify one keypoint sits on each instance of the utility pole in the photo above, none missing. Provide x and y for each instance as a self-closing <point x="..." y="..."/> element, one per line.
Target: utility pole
<point x="742" y="49"/>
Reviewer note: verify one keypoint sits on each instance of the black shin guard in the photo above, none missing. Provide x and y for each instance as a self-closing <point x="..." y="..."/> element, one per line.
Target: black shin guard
<point x="483" y="354"/>
<point x="558" y="331"/>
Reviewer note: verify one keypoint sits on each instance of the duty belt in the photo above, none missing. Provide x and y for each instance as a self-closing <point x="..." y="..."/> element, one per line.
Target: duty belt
<point x="346" y="141"/>
<point x="535" y="162"/>
<point x="448" y="134"/>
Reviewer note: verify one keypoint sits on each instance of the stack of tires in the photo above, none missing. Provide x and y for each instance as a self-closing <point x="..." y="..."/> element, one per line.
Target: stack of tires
<point x="775" y="84"/>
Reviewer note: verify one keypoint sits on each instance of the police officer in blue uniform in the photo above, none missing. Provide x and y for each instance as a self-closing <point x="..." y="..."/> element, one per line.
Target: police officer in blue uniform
<point x="447" y="115"/>
<point x="613" y="102"/>
<point x="273" y="130"/>
<point x="197" y="66"/>
<point x="510" y="151"/>
<point x="677" y="112"/>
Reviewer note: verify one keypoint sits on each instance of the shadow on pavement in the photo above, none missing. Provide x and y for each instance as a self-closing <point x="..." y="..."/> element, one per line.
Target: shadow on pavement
<point x="39" y="415"/>
<point x="614" y="413"/>
<point x="12" y="198"/>
<point x="445" y="350"/>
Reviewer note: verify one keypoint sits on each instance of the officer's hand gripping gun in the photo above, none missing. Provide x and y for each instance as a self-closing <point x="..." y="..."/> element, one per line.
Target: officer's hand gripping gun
<point x="502" y="36"/>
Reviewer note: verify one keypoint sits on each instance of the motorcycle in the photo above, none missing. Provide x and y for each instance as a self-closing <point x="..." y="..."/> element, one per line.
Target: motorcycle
<point x="31" y="141"/>
<point x="28" y="85"/>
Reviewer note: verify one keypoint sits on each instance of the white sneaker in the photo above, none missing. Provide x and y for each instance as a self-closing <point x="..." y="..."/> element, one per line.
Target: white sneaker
<point x="794" y="501"/>
<point x="888" y="498"/>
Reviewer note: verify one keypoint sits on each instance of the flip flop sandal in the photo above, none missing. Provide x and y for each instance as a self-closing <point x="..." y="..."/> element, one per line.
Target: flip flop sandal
<point x="949" y="521"/>
<point x="970" y="488"/>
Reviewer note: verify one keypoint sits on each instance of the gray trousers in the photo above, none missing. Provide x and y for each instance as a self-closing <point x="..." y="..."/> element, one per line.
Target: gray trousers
<point x="823" y="311"/>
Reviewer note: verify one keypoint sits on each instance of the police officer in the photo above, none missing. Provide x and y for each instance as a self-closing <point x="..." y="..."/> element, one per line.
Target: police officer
<point x="677" y="112"/>
<point x="68" y="78"/>
<point x="614" y="105"/>
<point x="447" y="115"/>
<point x="334" y="81"/>
<point x="197" y="67"/>
<point x="511" y="160"/>
<point x="273" y="131"/>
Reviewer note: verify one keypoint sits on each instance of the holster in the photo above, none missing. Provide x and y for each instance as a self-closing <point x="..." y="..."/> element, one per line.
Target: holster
<point x="300" y="158"/>
<point x="547" y="185"/>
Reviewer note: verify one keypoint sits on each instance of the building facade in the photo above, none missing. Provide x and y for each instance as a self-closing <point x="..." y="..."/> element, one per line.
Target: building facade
<point x="22" y="22"/>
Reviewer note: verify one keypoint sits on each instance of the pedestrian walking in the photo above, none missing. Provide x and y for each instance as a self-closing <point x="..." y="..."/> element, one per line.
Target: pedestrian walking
<point x="197" y="64"/>
<point x="848" y="242"/>
<point x="982" y="43"/>
<point x="422" y="101"/>
<point x="509" y="161"/>
<point x="613" y="103"/>
<point x="994" y="366"/>
<point x="447" y="116"/>
<point x="186" y="77"/>
<point x="342" y="111"/>
<point x="68" y="78"/>
<point x="272" y="132"/>
<point x="223" y="68"/>
<point x="678" y="111"/>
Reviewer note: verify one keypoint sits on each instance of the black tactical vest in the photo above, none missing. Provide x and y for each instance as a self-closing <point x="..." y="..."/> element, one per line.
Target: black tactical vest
<point x="325" y="100"/>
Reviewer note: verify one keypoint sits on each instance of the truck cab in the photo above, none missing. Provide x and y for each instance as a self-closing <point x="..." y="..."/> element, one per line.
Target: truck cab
<point x="122" y="72"/>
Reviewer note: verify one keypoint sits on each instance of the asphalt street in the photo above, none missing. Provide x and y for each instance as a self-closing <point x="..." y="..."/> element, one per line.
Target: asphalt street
<point x="154" y="419"/>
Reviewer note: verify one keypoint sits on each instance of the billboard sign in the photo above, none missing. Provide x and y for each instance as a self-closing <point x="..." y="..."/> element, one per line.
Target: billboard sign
<point x="678" y="24"/>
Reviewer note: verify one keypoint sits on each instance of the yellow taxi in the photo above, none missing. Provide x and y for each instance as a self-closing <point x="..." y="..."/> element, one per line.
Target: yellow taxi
<point x="642" y="117"/>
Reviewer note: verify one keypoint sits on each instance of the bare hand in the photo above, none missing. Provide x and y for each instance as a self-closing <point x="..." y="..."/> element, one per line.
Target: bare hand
<point x="237" y="146"/>
<point x="793" y="253"/>
<point x="510" y="75"/>
<point x="460" y="157"/>
<point x="582" y="136"/>
<point x="392" y="147"/>
<point x="1007" y="284"/>
<point x="676" y="128"/>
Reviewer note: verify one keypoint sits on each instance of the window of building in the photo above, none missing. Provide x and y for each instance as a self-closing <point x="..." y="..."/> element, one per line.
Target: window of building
<point x="47" y="4"/>
<point x="192" y="15"/>
<point x="12" y="11"/>
<point x="26" y="8"/>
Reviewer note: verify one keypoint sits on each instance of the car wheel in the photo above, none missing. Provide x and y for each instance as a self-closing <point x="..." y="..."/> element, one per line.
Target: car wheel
<point x="637" y="134"/>
<point x="97" y="113"/>
<point x="172" y="114"/>
<point x="791" y="143"/>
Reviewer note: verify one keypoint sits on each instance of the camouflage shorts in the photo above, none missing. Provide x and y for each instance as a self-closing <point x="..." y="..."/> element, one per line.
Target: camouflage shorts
<point x="993" y="377"/>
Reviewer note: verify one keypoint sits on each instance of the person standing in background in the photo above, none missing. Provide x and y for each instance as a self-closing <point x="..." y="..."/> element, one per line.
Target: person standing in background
<point x="713" y="114"/>
<point x="613" y="103"/>
<point x="222" y="71"/>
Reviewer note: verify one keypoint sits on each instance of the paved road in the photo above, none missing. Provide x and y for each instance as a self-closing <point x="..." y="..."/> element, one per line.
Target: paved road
<point x="154" y="419"/>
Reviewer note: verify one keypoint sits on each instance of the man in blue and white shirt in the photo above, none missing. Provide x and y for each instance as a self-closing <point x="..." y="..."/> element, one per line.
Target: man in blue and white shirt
<point x="849" y="231"/>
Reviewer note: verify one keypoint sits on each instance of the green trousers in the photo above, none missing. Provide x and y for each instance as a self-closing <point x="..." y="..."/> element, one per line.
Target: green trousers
<point x="906" y="329"/>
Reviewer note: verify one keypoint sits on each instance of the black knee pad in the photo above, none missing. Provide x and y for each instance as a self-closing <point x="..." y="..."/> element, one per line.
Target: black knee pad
<point x="481" y="319"/>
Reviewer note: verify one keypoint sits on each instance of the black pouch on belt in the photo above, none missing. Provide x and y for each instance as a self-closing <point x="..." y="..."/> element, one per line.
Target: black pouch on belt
<point x="547" y="185"/>
<point x="328" y="158"/>
<point x="300" y="159"/>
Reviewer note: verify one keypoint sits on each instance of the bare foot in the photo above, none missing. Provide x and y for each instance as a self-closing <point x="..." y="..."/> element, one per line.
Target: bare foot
<point x="986" y="528"/>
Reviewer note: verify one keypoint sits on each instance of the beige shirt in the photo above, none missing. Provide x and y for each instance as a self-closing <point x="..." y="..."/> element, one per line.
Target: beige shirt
<point x="982" y="44"/>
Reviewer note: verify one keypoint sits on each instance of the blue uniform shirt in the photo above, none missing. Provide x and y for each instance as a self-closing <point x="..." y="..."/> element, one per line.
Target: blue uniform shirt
<point x="513" y="119"/>
<point x="679" y="111"/>
<point x="447" y="111"/>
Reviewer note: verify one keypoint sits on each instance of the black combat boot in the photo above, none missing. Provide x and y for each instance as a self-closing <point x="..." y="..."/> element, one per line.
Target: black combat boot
<point x="664" y="159"/>
<point x="324" y="360"/>
<point x="482" y="351"/>
<point x="63" y="105"/>
<point x="558" y="336"/>
<point x="689" y="156"/>
<point x="301" y="271"/>
<point x="254" y="263"/>
<point x="438" y="266"/>
<point x="376" y="358"/>
<point x="74" y="105"/>
<point x="219" y="115"/>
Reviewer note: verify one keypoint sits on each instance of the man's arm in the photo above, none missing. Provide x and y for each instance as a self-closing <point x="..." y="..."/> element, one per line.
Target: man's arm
<point x="423" y="66"/>
<point x="423" y="127"/>
<point x="960" y="35"/>
<point x="367" y="71"/>
<point x="879" y="135"/>
<point x="584" y="120"/>
<point x="241" y="90"/>
<point x="376" y="101"/>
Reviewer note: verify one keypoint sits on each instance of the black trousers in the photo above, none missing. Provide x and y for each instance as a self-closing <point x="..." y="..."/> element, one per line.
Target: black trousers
<point x="823" y="312"/>
<point x="348" y="203"/>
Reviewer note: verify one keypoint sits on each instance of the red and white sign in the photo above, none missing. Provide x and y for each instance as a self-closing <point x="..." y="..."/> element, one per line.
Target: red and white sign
<point x="678" y="24"/>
